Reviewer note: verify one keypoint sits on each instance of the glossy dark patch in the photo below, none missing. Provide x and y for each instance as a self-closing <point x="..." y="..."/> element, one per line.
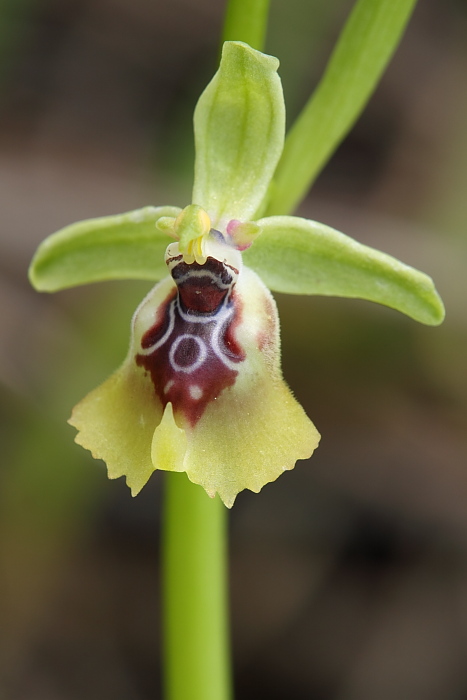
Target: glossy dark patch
<point x="191" y="350"/>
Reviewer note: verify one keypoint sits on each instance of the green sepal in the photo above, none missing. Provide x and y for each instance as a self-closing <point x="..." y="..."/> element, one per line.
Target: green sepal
<point x="125" y="246"/>
<point x="239" y="134"/>
<point x="298" y="256"/>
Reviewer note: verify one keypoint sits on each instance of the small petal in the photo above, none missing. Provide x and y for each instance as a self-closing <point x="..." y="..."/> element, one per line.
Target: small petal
<point x="166" y="224"/>
<point x="239" y="134"/>
<point x="242" y="234"/>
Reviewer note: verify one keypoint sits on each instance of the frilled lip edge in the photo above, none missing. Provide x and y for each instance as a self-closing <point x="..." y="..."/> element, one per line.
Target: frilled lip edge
<point x="248" y="433"/>
<point x="262" y="441"/>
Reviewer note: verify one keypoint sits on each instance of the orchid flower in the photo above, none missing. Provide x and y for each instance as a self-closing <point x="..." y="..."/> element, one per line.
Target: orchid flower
<point x="201" y="389"/>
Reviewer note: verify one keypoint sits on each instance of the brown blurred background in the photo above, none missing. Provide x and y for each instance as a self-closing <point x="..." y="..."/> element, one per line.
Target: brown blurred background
<point x="349" y="574"/>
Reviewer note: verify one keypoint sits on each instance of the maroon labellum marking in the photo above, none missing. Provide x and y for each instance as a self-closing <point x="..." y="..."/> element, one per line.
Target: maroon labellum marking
<point x="191" y="351"/>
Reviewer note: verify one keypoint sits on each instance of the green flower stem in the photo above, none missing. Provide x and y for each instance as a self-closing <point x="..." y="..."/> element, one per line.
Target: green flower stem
<point x="246" y="20"/>
<point x="366" y="44"/>
<point x="195" y="594"/>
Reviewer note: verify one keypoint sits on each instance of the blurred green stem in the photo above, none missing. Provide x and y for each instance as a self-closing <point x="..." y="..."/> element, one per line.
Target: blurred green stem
<point x="364" y="48"/>
<point x="246" y="20"/>
<point x="195" y="594"/>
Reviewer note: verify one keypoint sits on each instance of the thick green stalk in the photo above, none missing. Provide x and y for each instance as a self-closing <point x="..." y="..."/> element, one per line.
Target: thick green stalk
<point x="195" y="594"/>
<point x="365" y="46"/>
<point x="246" y="20"/>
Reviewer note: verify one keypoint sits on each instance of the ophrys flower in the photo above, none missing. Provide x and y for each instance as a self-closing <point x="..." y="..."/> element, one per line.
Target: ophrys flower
<point x="201" y="389"/>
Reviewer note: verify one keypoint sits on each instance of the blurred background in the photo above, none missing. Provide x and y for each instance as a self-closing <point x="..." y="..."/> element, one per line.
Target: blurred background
<point x="348" y="574"/>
